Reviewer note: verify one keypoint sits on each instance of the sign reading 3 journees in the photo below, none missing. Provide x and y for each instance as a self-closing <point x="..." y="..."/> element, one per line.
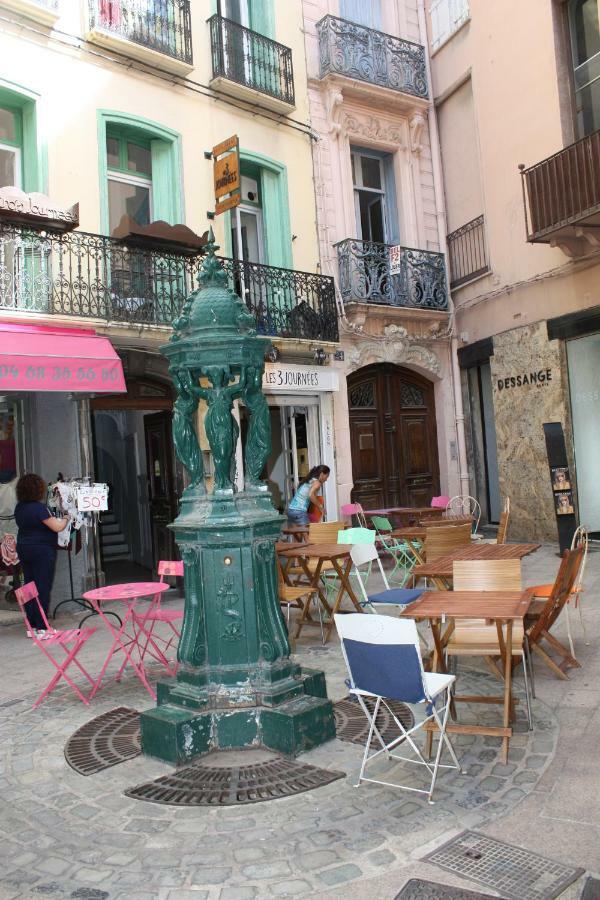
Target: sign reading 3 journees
<point x="226" y="156"/>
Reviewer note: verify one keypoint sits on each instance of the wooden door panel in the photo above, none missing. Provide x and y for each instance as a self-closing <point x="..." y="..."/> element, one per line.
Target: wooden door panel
<point x="393" y="437"/>
<point x="161" y="487"/>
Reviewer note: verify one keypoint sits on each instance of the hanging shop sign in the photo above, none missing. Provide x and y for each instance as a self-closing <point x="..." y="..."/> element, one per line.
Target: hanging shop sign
<point x="226" y="156"/>
<point x="92" y="498"/>
<point x="284" y="379"/>
<point x="538" y="378"/>
<point x="37" y="210"/>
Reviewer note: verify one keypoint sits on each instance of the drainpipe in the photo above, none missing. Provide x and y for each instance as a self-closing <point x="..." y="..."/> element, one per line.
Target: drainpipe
<point x="94" y="576"/>
<point x="436" y="159"/>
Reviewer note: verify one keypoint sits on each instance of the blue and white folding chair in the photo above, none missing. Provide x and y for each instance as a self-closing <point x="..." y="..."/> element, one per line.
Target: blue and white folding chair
<point x="365" y="555"/>
<point x="384" y="662"/>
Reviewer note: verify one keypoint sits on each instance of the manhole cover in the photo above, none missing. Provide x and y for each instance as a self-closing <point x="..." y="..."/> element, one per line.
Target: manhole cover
<point x="351" y="723"/>
<point x="416" y="889"/>
<point x="200" y="785"/>
<point x="513" y="872"/>
<point x="591" y="890"/>
<point x="105" y="741"/>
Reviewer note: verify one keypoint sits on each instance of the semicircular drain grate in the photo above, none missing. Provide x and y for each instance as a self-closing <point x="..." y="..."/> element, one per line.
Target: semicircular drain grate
<point x="198" y="785"/>
<point x="351" y="723"/>
<point x="105" y="741"/>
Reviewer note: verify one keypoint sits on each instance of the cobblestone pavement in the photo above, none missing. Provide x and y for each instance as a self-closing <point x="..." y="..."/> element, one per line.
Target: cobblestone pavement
<point x="64" y="835"/>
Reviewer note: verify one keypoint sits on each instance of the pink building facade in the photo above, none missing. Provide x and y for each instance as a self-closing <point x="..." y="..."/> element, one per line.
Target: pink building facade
<point x="381" y="230"/>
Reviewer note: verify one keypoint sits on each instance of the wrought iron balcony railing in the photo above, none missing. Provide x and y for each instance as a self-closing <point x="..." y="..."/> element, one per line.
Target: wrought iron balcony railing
<point x="355" y="51"/>
<point x="161" y="25"/>
<point x="97" y="277"/>
<point x="251" y="59"/>
<point x="366" y="277"/>
<point x="467" y="252"/>
<point x="563" y="191"/>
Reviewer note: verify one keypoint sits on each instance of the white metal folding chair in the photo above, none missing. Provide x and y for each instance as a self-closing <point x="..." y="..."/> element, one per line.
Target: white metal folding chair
<point x="465" y="505"/>
<point x="384" y="662"/>
<point x="365" y="555"/>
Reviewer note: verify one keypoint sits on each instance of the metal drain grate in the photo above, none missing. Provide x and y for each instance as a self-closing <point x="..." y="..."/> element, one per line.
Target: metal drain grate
<point x="417" y="889"/>
<point x="105" y="741"/>
<point x="513" y="872"/>
<point x="351" y="723"/>
<point x="198" y="785"/>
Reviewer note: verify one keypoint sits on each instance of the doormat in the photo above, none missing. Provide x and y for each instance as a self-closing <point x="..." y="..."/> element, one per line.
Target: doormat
<point x="515" y="873"/>
<point x="591" y="889"/>
<point x="198" y="785"/>
<point x="417" y="889"/>
<point x="105" y="741"/>
<point x="351" y="723"/>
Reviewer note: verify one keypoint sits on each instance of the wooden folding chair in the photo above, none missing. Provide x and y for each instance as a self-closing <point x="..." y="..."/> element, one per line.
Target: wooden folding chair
<point x="318" y="533"/>
<point x="544" y="613"/>
<point x="442" y="540"/>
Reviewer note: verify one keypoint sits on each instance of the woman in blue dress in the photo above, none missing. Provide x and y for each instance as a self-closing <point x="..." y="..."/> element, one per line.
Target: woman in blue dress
<point x="306" y="494"/>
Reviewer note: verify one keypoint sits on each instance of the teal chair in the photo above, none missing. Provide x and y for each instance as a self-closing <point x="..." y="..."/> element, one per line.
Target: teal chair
<point x="347" y="536"/>
<point x="398" y="550"/>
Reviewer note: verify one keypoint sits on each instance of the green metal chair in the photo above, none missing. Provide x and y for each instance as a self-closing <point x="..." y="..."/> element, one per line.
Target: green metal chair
<point x="398" y="550"/>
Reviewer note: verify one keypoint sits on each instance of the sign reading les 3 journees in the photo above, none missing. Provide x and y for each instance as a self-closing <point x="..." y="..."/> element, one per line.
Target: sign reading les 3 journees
<point x="227" y="176"/>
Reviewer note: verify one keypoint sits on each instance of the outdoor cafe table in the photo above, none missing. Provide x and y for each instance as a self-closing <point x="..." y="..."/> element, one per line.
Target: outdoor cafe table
<point x="339" y="557"/>
<point x="297" y="532"/>
<point x="504" y="608"/>
<point x="123" y="640"/>
<point x="415" y="534"/>
<point x="440" y="570"/>
<point x="406" y="515"/>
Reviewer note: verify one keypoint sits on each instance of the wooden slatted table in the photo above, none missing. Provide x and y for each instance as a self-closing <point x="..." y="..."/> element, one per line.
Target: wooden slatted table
<point x="504" y="608"/>
<point x="406" y="515"/>
<point x="442" y="568"/>
<point x="297" y="532"/>
<point x="339" y="557"/>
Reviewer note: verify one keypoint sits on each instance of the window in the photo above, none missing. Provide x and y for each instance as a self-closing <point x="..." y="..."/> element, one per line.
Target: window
<point x="585" y="50"/>
<point x="375" y="196"/>
<point x="129" y="163"/>
<point x="10" y="147"/>
<point x="363" y="12"/>
<point x="246" y="222"/>
<point x="447" y="16"/>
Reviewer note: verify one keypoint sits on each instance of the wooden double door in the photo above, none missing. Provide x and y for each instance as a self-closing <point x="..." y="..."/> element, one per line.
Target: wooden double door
<point x="393" y="437"/>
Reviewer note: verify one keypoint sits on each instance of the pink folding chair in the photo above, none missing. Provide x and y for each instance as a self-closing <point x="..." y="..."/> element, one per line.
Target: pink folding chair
<point x="355" y="509"/>
<point x="70" y="641"/>
<point x="156" y="614"/>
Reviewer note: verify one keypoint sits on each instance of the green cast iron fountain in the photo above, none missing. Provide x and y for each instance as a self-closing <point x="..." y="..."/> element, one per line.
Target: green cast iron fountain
<point x="236" y="685"/>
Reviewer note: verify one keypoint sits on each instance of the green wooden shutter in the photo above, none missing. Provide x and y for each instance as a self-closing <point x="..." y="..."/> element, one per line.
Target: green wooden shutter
<point x="276" y="218"/>
<point x="165" y="199"/>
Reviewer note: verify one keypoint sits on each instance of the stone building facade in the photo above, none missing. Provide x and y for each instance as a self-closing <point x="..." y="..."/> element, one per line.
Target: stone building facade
<point x="522" y="243"/>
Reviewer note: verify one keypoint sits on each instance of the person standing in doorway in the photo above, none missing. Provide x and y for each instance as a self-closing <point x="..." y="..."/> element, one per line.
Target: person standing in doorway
<point x="37" y="543"/>
<point x="307" y="494"/>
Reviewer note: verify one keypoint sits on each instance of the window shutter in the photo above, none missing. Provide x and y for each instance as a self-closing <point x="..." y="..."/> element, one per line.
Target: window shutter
<point x="164" y="197"/>
<point x="363" y="12"/>
<point x="276" y="220"/>
<point x="391" y="203"/>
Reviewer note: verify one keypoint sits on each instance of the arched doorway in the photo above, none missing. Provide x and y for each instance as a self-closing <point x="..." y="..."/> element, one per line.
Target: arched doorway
<point x="134" y="455"/>
<point x="393" y="437"/>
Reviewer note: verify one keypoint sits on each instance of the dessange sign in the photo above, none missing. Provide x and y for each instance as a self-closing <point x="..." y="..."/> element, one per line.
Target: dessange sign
<point x="539" y="379"/>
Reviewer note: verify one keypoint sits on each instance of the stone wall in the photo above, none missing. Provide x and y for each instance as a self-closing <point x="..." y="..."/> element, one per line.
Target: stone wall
<point x="521" y="407"/>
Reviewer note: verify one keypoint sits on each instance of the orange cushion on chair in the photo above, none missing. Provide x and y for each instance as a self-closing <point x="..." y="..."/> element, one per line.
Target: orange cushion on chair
<point x="541" y="590"/>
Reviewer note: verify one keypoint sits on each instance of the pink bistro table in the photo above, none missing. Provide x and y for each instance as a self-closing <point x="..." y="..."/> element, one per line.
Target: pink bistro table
<point x="123" y="640"/>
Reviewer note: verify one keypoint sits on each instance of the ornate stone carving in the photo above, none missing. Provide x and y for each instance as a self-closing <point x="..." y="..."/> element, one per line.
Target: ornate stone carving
<point x="334" y="100"/>
<point x="417" y="128"/>
<point x="258" y="439"/>
<point x="375" y="129"/>
<point x="231" y="615"/>
<point x="184" y="433"/>
<point x="396" y="347"/>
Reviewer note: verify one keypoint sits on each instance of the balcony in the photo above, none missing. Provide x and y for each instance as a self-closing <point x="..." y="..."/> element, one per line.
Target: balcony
<point x="467" y="253"/>
<point x="95" y="277"/>
<point x="561" y="196"/>
<point x="250" y="66"/>
<point x="45" y="11"/>
<point x="366" y="277"/>
<point x="158" y="32"/>
<point x="363" y="55"/>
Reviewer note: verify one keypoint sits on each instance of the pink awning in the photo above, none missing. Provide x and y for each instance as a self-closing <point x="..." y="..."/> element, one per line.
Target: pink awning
<point x="45" y="358"/>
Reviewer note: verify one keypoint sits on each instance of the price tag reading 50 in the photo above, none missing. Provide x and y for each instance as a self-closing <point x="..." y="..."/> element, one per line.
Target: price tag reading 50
<point x="92" y="498"/>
